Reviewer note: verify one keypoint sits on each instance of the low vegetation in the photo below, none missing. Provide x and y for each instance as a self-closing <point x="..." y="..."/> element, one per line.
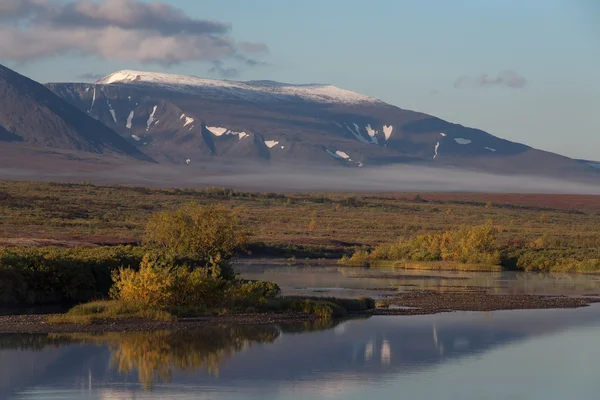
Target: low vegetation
<point x="477" y="249"/>
<point x="466" y="246"/>
<point x="69" y="243"/>
<point x="323" y="307"/>
<point x="162" y="286"/>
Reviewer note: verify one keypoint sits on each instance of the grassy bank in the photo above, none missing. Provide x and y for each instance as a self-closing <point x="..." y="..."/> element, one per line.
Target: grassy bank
<point x="113" y="310"/>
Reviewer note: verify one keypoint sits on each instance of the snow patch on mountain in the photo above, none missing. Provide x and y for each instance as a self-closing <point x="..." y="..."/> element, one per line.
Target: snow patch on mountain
<point x="151" y="118"/>
<point x="136" y="138"/>
<point x="437" y="147"/>
<point x="188" y="120"/>
<point x="490" y="149"/>
<point x="112" y="111"/>
<point x="594" y="165"/>
<point x="130" y="119"/>
<point x="462" y="141"/>
<point x="93" y="100"/>
<point x="340" y="155"/>
<point x="219" y="131"/>
<point x="252" y="90"/>
<point x="216" y="130"/>
<point x="372" y="133"/>
<point x="332" y="154"/>
<point x="271" y="143"/>
<point x="357" y="134"/>
<point x="387" y="131"/>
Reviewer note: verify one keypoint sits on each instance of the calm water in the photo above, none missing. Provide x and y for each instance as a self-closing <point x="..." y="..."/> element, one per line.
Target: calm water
<point x="547" y="354"/>
<point x="351" y="282"/>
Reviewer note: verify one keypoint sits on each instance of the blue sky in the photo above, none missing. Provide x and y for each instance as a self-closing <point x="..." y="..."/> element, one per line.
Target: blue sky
<point x="411" y="54"/>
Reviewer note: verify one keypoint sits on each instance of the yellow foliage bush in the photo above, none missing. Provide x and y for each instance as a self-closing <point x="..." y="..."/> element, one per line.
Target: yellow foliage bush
<point x="158" y="284"/>
<point x="161" y="285"/>
<point x="465" y="245"/>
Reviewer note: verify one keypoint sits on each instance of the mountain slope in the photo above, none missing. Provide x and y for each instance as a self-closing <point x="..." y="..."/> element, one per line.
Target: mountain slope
<point x="183" y="119"/>
<point x="31" y="113"/>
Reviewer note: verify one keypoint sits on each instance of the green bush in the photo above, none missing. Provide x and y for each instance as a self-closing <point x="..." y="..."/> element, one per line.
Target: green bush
<point x="210" y="234"/>
<point x="326" y="307"/>
<point x="252" y="293"/>
<point x="51" y="275"/>
<point x="97" y="311"/>
<point x="558" y="260"/>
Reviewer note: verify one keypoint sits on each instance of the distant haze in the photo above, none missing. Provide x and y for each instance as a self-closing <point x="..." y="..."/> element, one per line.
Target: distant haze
<point x="252" y="177"/>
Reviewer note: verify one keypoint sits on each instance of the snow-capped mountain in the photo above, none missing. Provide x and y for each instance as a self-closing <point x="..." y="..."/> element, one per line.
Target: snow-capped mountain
<point x="256" y="91"/>
<point x="184" y="119"/>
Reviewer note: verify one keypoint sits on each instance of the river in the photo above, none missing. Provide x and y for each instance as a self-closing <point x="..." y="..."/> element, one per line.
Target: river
<point x="524" y="354"/>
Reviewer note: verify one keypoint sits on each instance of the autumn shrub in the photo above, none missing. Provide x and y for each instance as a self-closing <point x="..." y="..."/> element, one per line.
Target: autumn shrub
<point x="465" y="245"/>
<point x="159" y="284"/>
<point x="210" y="234"/>
<point x="557" y="260"/>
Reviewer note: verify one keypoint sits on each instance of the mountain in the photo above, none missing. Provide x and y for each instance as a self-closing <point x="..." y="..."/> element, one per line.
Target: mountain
<point x="185" y="119"/>
<point x="32" y="114"/>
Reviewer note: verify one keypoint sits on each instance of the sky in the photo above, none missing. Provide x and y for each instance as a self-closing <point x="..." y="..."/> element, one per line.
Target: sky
<point x="524" y="70"/>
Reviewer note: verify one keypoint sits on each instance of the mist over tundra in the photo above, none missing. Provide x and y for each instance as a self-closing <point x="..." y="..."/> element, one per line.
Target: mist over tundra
<point x="283" y="178"/>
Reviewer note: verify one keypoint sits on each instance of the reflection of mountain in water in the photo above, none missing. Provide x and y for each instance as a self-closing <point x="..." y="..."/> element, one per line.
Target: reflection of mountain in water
<point x="223" y="357"/>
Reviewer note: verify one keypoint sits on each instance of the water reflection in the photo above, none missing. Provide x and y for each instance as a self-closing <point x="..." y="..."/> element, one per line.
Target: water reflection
<point x="287" y="361"/>
<point x="351" y="282"/>
<point x="155" y="355"/>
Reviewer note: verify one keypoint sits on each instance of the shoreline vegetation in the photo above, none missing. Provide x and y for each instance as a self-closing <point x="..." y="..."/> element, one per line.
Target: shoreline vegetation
<point x="185" y="271"/>
<point x="179" y="264"/>
<point x="474" y="249"/>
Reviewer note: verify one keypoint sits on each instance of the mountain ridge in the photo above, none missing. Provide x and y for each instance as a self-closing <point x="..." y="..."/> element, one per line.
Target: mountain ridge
<point x="31" y="113"/>
<point x="183" y="119"/>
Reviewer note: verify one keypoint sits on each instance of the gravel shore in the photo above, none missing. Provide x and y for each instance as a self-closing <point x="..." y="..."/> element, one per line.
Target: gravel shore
<point x="410" y="303"/>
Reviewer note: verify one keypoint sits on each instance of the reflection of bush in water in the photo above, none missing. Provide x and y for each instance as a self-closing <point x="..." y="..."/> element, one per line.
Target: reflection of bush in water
<point x="316" y="325"/>
<point x="156" y="354"/>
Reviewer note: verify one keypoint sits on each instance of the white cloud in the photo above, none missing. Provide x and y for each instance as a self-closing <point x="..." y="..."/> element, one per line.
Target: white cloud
<point x="128" y="30"/>
<point x="507" y="78"/>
